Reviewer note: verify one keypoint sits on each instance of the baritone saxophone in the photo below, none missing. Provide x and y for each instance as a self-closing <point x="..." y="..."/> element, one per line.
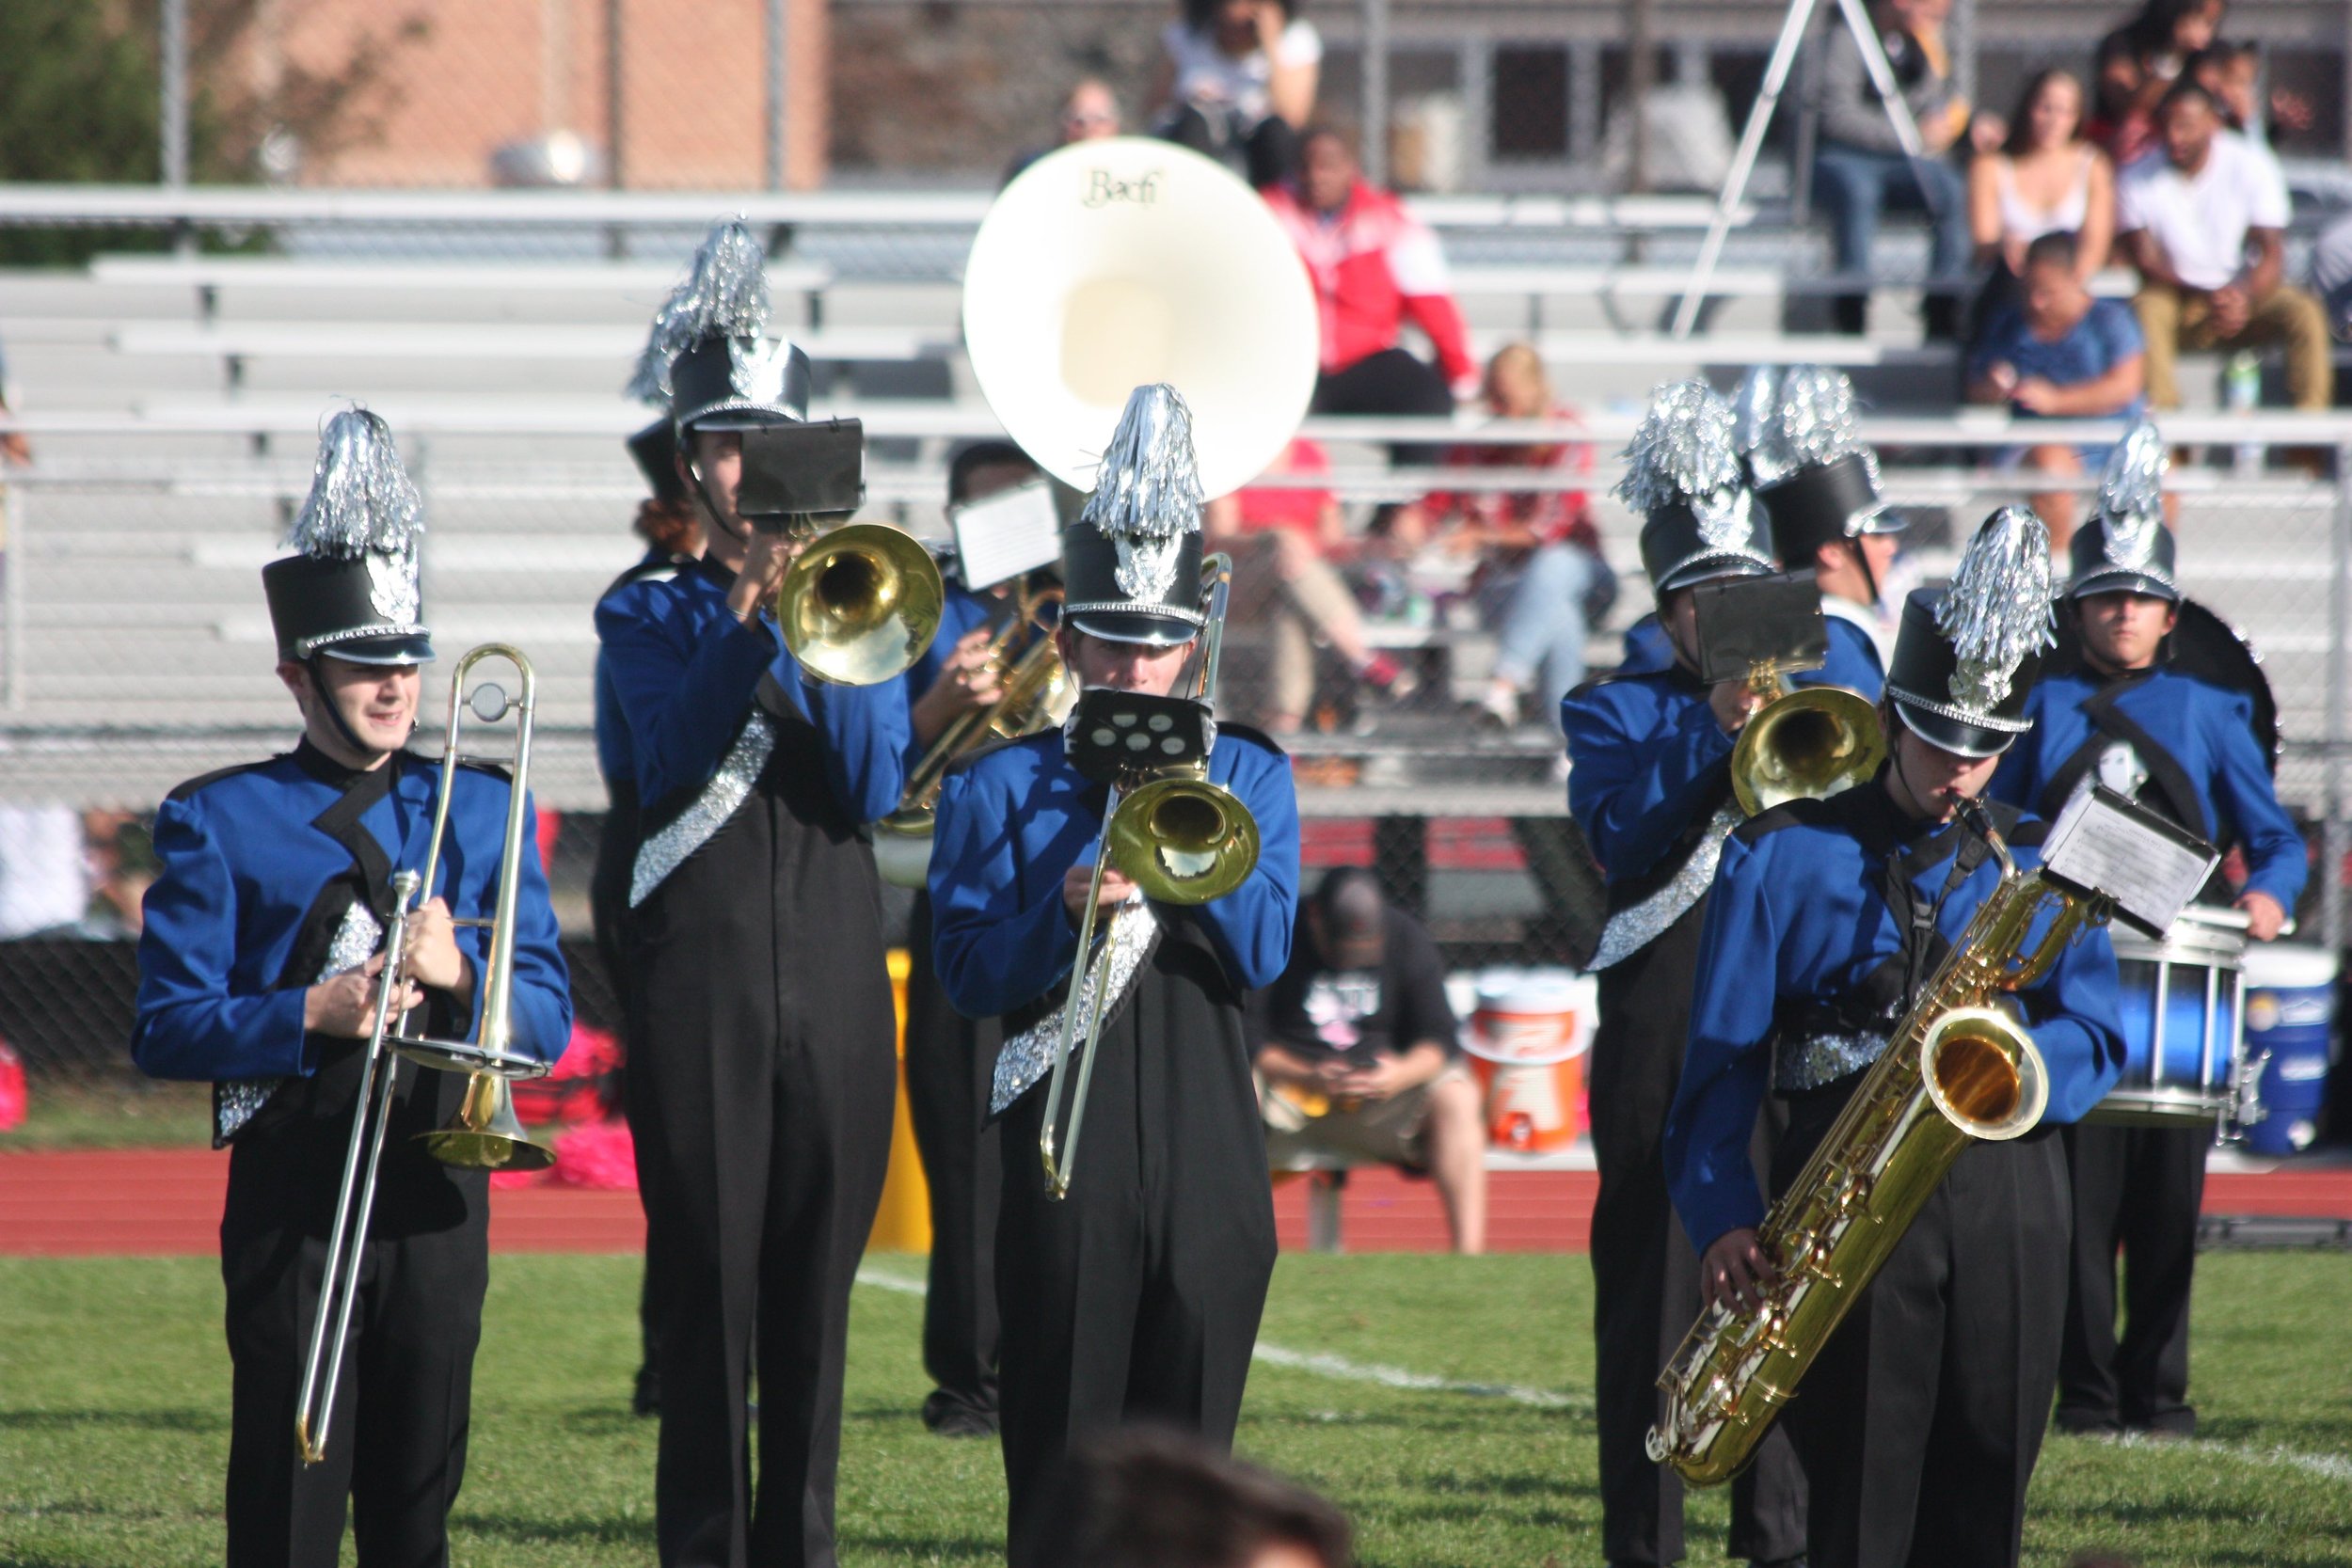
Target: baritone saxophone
<point x="1958" y="1070"/>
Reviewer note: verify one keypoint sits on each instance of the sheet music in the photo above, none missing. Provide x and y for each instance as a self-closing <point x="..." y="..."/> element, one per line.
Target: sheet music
<point x="1015" y="532"/>
<point x="2150" y="867"/>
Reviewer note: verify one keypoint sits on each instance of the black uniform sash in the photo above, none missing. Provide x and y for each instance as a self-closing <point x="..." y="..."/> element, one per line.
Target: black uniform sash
<point x="2175" y="794"/>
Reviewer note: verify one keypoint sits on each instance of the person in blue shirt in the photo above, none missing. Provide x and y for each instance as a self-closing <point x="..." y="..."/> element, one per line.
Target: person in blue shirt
<point x="260" y="965"/>
<point x="1136" y="1297"/>
<point x="673" y="537"/>
<point x="2059" y="353"/>
<point x="1920" y="1422"/>
<point x="764" y="1070"/>
<point x="951" y="1058"/>
<point x="2124" y="715"/>
<point x="1819" y="486"/>
<point x="1649" y="785"/>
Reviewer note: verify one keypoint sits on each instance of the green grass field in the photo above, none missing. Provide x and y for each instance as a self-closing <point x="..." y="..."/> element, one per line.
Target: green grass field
<point x="113" y="1420"/>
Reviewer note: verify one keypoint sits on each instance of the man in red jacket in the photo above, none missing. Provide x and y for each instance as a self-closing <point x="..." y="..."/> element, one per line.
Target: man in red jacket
<point x="1374" y="267"/>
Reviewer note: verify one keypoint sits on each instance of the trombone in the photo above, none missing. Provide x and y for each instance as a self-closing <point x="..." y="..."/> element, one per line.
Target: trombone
<point x="860" y="604"/>
<point x="1806" y="742"/>
<point x="1182" y="840"/>
<point x="484" y="1133"/>
<point x="1035" y="692"/>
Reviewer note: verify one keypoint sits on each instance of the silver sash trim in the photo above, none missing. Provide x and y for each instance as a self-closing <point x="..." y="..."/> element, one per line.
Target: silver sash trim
<point x="728" y="788"/>
<point x="1637" y="926"/>
<point x="1027" y="1056"/>
<point x="238" y="1101"/>
<point x="1808" y="1064"/>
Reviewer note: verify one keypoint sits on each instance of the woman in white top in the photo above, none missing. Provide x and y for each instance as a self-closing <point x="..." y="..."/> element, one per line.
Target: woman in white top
<point x="1237" y="82"/>
<point x="2046" y="178"/>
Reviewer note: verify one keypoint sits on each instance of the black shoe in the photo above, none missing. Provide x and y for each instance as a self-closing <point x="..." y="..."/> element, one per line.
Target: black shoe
<point x="2086" y="1423"/>
<point x="647" y="1399"/>
<point x="949" y="1417"/>
<point x="2171" y="1426"/>
<point x="1796" y="1561"/>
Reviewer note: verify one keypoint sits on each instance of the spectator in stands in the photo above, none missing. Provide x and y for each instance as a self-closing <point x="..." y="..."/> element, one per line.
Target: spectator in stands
<point x="1284" y="543"/>
<point x="1237" y="82"/>
<point x="1541" y="583"/>
<point x="2046" y="178"/>
<point x="2059" y="353"/>
<point x="2233" y="74"/>
<point x="1861" y="170"/>
<point x="1374" y="267"/>
<point x="2204" y="219"/>
<point x="2140" y="62"/>
<point x="1357" y="1054"/>
<point x="2331" y="276"/>
<point x="13" y="446"/>
<point x="1089" y="113"/>
<point x="1145" y="1499"/>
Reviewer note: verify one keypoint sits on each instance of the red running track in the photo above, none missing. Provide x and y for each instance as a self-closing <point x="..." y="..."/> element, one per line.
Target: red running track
<point x="168" y="1202"/>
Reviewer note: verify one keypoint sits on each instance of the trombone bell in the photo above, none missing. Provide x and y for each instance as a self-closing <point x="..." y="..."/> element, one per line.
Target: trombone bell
<point x="860" y="604"/>
<point x="486" y="1134"/>
<point x="1183" y="840"/>
<point x="1808" y="744"/>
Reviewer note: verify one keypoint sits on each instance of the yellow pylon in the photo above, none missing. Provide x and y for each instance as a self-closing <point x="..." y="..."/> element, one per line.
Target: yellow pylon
<point x="903" y="1223"/>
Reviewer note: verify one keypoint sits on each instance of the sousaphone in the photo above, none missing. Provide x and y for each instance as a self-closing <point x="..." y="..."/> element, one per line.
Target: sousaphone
<point x="1111" y="265"/>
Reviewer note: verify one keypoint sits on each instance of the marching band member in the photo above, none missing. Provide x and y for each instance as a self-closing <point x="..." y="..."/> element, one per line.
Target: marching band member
<point x="673" y="537"/>
<point x="1920" y="1422"/>
<point x="255" y="972"/>
<point x="1138" y="1296"/>
<point x="950" y="1059"/>
<point x="764" y="1070"/>
<point x="2186" y="750"/>
<point x="1650" y="783"/>
<point x="1819" y="484"/>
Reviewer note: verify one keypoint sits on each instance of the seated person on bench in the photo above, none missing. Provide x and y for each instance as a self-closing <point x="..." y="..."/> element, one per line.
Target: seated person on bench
<point x="1355" y="1050"/>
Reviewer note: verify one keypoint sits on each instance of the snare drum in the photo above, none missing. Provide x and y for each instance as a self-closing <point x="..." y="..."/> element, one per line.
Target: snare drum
<point x="2183" y="1007"/>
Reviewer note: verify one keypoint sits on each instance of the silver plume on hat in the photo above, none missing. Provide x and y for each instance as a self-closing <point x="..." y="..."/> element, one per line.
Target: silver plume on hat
<point x="1682" y="455"/>
<point x="1752" y="405"/>
<point x="2131" y="495"/>
<point x="361" y="496"/>
<point x="724" y="294"/>
<point x="1813" y="420"/>
<point x="1146" y="490"/>
<point x="1997" y="608"/>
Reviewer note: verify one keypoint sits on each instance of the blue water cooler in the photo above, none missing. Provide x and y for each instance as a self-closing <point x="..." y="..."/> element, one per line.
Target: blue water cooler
<point x="2290" y="1013"/>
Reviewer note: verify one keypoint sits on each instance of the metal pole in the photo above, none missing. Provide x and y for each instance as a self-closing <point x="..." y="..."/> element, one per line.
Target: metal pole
<point x="1641" y="74"/>
<point x="15" y="557"/>
<point x="1784" y="59"/>
<point x="175" y="93"/>
<point x="775" y="94"/>
<point x="615" y="101"/>
<point x="1375" y="89"/>
<point x="1960" y="41"/>
<point x="2333" y="832"/>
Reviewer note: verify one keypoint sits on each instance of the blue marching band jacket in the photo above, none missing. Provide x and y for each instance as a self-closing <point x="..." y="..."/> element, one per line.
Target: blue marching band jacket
<point x="616" y="757"/>
<point x="1014" y="819"/>
<point x="2171" y="742"/>
<point x="277" y="875"/>
<point x="1803" y="967"/>
<point x="687" y="676"/>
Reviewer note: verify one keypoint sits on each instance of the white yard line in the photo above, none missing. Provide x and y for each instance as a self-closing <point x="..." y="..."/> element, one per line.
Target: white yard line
<point x="1321" y="1364"/>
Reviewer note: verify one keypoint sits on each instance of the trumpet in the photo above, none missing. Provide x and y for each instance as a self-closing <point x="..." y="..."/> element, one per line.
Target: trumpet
<point x="484" y="1133"/>
<point x="1181" y="840"/>
<point x="1805" y="743"/>
<point x="860" y="604"/>
<point x="1035" y="692"/>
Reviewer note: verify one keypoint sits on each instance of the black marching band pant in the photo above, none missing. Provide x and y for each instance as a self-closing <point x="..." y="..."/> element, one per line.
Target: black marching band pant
<point x="1645" y="1276"/>
<point x="2138" y="1188"/>
<point x="762" y="1082"/>
<point x="1136" y="1298"/>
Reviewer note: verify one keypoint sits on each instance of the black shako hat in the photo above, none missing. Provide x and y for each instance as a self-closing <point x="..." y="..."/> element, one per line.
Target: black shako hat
<point x="1131" y="563"/>
<point x="655" y="450"/>
<point x="2124" y="547"/>
<point x="1966" y="656"/>
<point x="1796" y="432"/>
<point x="1683" y="476"/>
<point x="708" y="358"/>
<point x="354" y="589"/>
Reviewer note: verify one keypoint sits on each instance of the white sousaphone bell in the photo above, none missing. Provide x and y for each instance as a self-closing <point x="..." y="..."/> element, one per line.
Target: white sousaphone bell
<point x="1112" y="264"/>
<point x="1109" y="265"/>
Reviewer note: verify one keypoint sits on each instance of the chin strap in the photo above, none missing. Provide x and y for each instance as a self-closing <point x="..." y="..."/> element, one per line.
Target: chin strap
<point x="1862" y="559"/>
<point x="335" y="713"/>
